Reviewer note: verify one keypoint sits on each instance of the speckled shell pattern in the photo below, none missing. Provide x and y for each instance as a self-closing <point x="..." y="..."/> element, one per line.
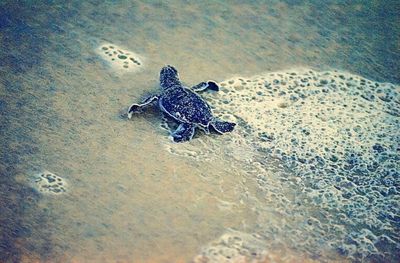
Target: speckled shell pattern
<point x="185" y="106"/>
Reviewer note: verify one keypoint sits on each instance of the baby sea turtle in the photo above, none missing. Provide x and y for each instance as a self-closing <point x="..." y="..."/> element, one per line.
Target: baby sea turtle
<point x="184" y="105"/>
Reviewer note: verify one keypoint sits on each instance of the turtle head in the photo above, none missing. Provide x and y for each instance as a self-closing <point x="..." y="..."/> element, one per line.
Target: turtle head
<point x="169" y="77"/>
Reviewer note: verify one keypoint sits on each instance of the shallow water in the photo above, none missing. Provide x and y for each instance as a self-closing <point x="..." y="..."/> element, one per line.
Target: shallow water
<point x="133" y="195"/>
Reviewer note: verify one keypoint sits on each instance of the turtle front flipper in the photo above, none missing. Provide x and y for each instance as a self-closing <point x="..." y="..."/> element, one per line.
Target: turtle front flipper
<point x="137" y="107"/>
<point x="222" y="126"/>
<point x="184" y="132"/>
<point x="209" y="85"/>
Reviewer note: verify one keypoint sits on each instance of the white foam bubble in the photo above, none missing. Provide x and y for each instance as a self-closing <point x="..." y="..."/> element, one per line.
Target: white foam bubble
<point x="241" y="247"/>
<point x="336" y="137"/>
<point x="121" y="60"/>
<point x="318" y="110"/>
<point x="233" y="246"/>
<point x="50" y="183"/>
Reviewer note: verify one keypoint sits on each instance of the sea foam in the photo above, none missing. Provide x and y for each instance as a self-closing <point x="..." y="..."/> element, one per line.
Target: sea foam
<point x="336" y="137"/>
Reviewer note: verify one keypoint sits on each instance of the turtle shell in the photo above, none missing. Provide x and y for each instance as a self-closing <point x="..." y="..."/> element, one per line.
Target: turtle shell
<point x="186" y="106"/>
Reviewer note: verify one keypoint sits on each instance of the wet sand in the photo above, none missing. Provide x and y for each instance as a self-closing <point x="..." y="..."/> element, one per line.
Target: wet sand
<point x="132" y="195"/>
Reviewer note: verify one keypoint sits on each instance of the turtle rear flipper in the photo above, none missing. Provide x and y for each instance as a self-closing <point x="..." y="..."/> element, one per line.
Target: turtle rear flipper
<point x="222" y="126"/>
<point x="137" y="107"/>
<point x="209" y="85"/>
<point x="184" y="132"/>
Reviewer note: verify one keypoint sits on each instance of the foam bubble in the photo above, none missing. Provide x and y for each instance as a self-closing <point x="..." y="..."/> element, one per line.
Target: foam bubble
<point x="233" y="246"/>
<point x="50" y="183"/>
<point x="120" y="59"/>
<point x="240" y="247"/>
<point x="336" y="136"/>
